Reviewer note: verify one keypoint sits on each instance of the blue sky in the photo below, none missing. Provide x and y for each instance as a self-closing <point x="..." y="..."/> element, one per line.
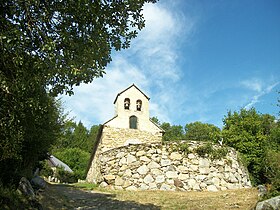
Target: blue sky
<point x="196" y="60"/>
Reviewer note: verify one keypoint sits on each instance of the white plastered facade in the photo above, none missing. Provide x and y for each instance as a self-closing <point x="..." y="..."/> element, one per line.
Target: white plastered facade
<point x="123" y="115"/>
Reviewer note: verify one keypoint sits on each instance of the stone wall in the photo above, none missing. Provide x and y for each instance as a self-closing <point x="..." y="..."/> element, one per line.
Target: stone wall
<point x="117" y="137"/>
<point x="161" y="167"/>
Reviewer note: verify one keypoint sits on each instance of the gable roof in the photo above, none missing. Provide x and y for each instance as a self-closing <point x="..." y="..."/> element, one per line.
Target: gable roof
<point x="133" y="85"/>
<point x="55" y="162"/>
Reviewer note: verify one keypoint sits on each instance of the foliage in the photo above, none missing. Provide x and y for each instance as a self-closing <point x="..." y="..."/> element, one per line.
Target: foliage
<point x="86" y="186"/>
<point x="199" y="131"/>
<point x="65" y="176"/>
<point x="172" y="133"/>
<point x="76" y="159"/>
<point x="29" y="123"/>
<point x="12" y="199"/>
<point x="155" y="120"/>
<point x="247" y="131"/>
<point x="45" y="169"/>
<point x="208" y="150"/>
<point x="76" y="136"/>
<point x="47" y="47"/>
<point x="272" y="171"/>
<point x="69" y="41"/>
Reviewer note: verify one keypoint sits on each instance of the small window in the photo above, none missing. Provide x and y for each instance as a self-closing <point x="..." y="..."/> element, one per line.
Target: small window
<point x="126" y="103"/>
<point x="138" y="105"/>
<point x="133" y="122"/>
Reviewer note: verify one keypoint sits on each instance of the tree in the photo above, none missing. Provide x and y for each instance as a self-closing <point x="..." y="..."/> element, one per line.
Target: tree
<point x="248" y="132"/>
<point x="199" y="131"/>
<point x="68" y="42"/>
<point x="47" y="47"/>
<point x="77" y="160"/>
<point x="92" y="137"/>
<point x="155" y="120"/>
<point x="172" y="133"/>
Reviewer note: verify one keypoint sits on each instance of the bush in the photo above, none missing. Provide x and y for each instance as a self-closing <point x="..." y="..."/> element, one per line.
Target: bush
<point x="65" y="176"/>
<point x="207" y="150"/>
<point x="12" y="199"/>
<point x="272" y="171"/>
<point x="204" y="150"/>
<point x="45" y="169"/>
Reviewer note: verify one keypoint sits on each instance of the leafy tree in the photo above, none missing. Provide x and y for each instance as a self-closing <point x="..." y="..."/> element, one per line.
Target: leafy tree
<point x="69" y="42"/>
<point x="155" y="120"/>
<point x="47" y="47"/>
<point x="199" y="131"/>
<point x="92" y="137"/>
<point x="77" y="160"/>
<point x="172" y="133"/>
<point x="248" y="131"/>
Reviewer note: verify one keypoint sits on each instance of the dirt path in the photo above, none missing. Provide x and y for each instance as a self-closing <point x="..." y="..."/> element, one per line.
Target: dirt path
<point x="60" y="196"/>
<point x="68" y="197"/>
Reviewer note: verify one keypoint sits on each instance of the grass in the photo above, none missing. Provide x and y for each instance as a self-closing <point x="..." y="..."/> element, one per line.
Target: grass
<point x="241" y="199"/>
<point x="85" y="186"/>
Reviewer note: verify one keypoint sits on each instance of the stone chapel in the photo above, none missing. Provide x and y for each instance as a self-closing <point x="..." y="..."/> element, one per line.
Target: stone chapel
<point x="128" y="154"/>
<point x="130" y="125"/>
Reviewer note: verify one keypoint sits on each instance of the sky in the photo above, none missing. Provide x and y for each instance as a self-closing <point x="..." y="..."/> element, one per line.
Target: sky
<point x="196" y="60"/>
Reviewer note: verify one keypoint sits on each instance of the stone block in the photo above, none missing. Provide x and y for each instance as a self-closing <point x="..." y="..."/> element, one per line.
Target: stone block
<point x="212" y="188"/>
<point x="156" y="172"/>
<point x="165" y="162"/>
<point x="203" y="163"/>
<point x="165" y="187"/>
<point x="171" y="174"/>
<point x="191" y="156"/>
<point x="160" y="178"/>
<point x="148" y="179"/>
<point x="130" y="159"/>
<point x="183" y="177"/>
<point x="119" y="181"/>
<point x="140" y="153"/>
<point x="143" y="170"/>
<point x="131" y="188"/>
<point x="175" y="156"/>
<point x="143" y="187"/>
<point x="153" y="165"/>
<point x="204" y="170"/>
<point x="145" y="159"/>
<point x="152" y="186"/>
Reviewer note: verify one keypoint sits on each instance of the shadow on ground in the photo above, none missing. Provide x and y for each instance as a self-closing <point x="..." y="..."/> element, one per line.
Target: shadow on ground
<point x="68" y="197"/>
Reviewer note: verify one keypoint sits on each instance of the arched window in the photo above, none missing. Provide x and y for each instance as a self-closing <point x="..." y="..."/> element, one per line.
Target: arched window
<point x="138" y="105"/>
<point x="133" y="122"/>
<point x="126" y="103"/>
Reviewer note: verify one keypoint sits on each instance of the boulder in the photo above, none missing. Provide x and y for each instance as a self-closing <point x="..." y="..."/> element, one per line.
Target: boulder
<point x="270" y="204"/>
<point x="38" y="182"/>
<point x="26" y="188"/>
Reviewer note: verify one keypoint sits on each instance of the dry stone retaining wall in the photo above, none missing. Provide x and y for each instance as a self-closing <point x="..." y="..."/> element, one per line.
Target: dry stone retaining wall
<point x="158" y="167"/>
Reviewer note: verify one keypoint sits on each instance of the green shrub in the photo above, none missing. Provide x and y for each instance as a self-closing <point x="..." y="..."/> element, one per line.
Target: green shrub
<point x="46" y="169"/>
<point x="12" y="199"/>
<point x="204" y="150"/>
<point x="65" y="176"/>
<point x="184" y="148"/>
<point x="207" y="150"/>
<point x="272" y="171"/>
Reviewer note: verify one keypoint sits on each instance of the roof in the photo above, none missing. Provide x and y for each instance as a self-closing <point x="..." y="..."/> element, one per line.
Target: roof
<point x="162" y="131"/>
<point x="133" y="85"/>
<point x="55" y="162"/>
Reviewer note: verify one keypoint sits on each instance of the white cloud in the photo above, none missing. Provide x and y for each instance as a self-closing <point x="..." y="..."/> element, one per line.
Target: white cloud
<point x="150" y="63"/>
<point x="253" y="84"/>
<point x="261" y="92"/>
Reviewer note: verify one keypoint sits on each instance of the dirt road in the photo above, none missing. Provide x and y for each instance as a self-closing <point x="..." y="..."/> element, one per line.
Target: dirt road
<point x="67" y="197"/>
